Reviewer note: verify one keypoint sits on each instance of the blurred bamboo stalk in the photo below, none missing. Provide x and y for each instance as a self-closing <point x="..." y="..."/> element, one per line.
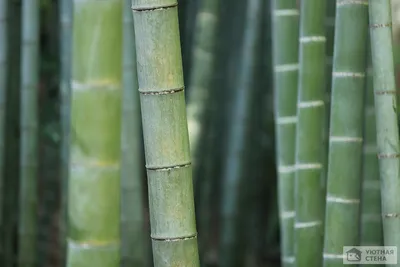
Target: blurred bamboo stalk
<point x="386" y="117"/>
<point x="133" y="237"/>
<point x="309" y="195"/>
<point x="29" y="135"/>
<point x="286" y="66"/>
<point x="94" y="182"/>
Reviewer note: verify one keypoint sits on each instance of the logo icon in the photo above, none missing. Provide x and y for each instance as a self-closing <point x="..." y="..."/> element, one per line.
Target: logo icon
<point x="353" y="255"/>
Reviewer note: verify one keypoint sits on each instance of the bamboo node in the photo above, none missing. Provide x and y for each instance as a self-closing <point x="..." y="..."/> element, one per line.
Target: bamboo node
<point x="286" y="12"/>
<point x="391" y="215"/>
<point x="386" y="92"/>
<point x="286" y="67"/>
<point x="168" y="168"/>
<point x="380" y="25"/>
<point x="345" y="139"/>
<point x="287" y="214"/>
<point x="288" y="259"/>
<point x="348" y="74"/>
<point x="388" y="155"/>
<point x="333" y="256"/>
<point x="299" y="225"/>
<point x="91" y="244"/>
<point x="310" y="104"/>
<point x="286" y="120"/>
<point x="162" y="92"/>
<point x="352" y="2"/>
<point x="308" y="166"/>
<point x="312" y="39"/>
<point x="153" y="8"/>
<point x="174" y="239"/>
<point x="333" y="199"/>
<point x="287" y="169"/>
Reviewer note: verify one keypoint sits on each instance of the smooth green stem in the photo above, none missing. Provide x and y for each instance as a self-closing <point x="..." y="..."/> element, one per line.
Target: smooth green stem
<point x="165" y="132"/>
<point x="346" y="130"/>
<point x="386" y="118"/>
<point x="94" y="182"/>
<point x="309" y="194"/>
<point x="133" y="237"/>
<point x="66" y="9"/>
<point x="29" y="135"/>
<point x="286" y="56"/>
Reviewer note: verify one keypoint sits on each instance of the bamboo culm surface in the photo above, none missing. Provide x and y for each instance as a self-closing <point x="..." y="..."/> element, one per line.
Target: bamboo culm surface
<point x="133" y="237"/>
<point x="65" y="88"/>
<point x="165" y="131"/>
<point x="94" y="184"/>
<point x="346" y="130"/>
<point x="286" y="56"/>
<point x="309" y="195"/>
<point x="29" y="135"/>
<point x="371" y="219"/>
<point x="386" y="118"/>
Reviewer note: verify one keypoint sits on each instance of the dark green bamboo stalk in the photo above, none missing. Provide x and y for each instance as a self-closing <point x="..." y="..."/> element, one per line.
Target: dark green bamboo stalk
<point x="232" y="250"/>
<point x="309" y="195"/>
<point x="3" y="98"/>
<point x="166" y="141"/>
<point x="346" y="124"/>
<point x="29" y="134"/>
<point x="94" y="183"/>
<point x="386" y="118"/>
<point x="65" y="88"/>
<point x="133" y="237"/>
<point x="371" y="219"/>
<point x="286" y="56"/>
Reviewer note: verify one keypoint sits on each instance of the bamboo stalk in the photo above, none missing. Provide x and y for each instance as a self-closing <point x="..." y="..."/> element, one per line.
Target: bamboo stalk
<point x="65" y="88"/>
<point x="94" y="182"/>
<point x="386" y="118"/>
<point x="232" y="250"/>
<point x="133" y="238"/>
<point x="166" y="141"/>
<point x="371" y="219"/>
<point x="29" y="134"/>
<point x="309" y="195"/>
<point x="346" y="124"/>
<point x="285" y="57"/>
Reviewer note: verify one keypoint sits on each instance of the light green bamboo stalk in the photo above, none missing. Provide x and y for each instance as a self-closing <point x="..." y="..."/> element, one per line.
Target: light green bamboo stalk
<point x="371" y="219"/>
<point x="161" y="87"/>
<point x="3" y="98"/>
<point x="346" y="125"/>
<point x="65" y="17"/>
<point x="232" y="250"/>
<point x="29" y="134"/>
<point x="309" y="195"/>
<point x="285" y="57"/>
<point x="133" y="237"/>
<point x="94" y="184"/>
<point x="386" y="118"/>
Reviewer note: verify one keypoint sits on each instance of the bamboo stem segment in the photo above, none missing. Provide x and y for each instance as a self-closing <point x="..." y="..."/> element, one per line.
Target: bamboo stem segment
<point x="166" y="141"/>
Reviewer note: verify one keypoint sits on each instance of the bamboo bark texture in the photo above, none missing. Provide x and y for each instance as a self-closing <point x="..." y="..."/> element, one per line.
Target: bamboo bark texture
<point x="346" y="130"/>
<point x="309" y="195"/>
<point x="94" y="184"/>
<point x="386" y="118"/>
<point x="133" y="237"/>
<point x="166" y="139"/>
<point x="286" y="66"/>
<point x="29" y="135"/>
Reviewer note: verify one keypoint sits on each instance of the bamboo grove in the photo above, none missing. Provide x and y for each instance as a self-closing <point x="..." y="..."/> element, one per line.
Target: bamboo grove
<point x="212" y="133"/>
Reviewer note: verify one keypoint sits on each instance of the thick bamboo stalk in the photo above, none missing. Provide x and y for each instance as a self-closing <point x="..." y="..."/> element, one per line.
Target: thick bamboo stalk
<point x="232" y="250"/>
<point x="166" y="141"/>
<point x="386" y="118"/>
<point x="346" y="127"/>
<point x="309" y="195"/>
<point x="29" y="135"/>
<point x="133" y="237"/>
<point x="3" y="98"/>
<point x="65" y="17"/>
<point x="286" y="66"/>
<point x="371" y="219"/>
<point x="94" y="184"/>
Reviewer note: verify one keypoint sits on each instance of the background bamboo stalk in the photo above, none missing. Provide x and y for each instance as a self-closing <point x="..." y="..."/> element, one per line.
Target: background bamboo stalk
<point x="286" y="56"/>
<point x="166" y="140"/>
<point x="346" y="124"/>
<point x="309" y="195"/>
<point x="371" y="219"/>
<point x="65" y="17"/>
<point x="232" y="245"/>
<point x="386" y="117"/>
<point x="94" y="185"/>
<point x="29" y="134"/>
<point x="133" y="236"/>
